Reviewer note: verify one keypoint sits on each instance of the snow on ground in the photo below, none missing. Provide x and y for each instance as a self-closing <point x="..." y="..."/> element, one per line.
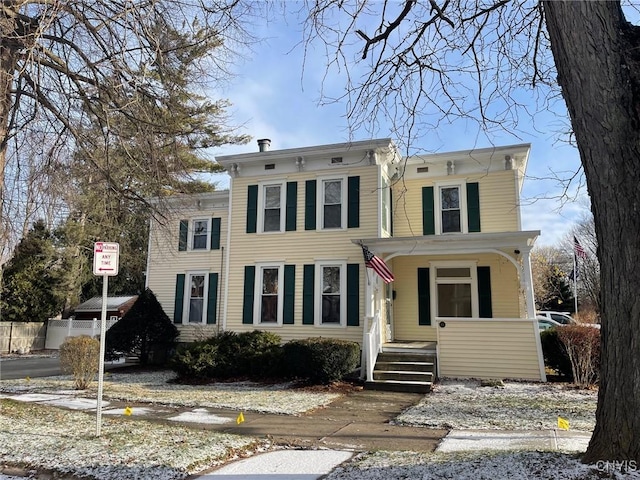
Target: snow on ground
<point x="475" y="466"/>
<point x="464" y="404"/>
<point x="51" y="439"/>
<point x="152" y="387"/>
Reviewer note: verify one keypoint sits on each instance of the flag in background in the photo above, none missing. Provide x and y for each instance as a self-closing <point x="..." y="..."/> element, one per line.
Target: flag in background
<point x="575" y="273"/>
<point x="578" y="248"/>
<point x="378" y="265"/>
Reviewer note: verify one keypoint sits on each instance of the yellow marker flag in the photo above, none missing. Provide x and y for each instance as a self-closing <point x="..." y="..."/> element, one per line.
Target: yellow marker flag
<point x="28" y="379"/>
<point x="128" y="411"/>
<point x="563" y="423"/>
<point x="240" y="418"/>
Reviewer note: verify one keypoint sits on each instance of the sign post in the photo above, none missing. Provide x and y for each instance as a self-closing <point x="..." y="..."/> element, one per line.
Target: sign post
<point x="105" y="264"/>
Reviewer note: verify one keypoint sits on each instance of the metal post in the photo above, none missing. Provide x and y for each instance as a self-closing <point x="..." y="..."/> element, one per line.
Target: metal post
<point x="103" y="330"/>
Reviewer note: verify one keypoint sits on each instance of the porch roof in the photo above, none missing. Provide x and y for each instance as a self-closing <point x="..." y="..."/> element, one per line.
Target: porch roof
<point x="507" y="242"/>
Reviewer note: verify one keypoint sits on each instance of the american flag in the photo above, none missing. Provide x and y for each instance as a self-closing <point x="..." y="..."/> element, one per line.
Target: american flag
<point x="578" y="248"/>
<point x="378" y="265"/>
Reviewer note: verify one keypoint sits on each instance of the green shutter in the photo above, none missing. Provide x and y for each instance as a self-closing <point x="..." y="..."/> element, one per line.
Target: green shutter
<point x="289" y="294"/>
<point x="184" y="234"/>
<point x="484" y="293"/>
<point x="310" y="205"/>
<point x="292" y="206"/>
<point x="215" y="233"/>
<point x="353" y="210"/>
<point x="249" y="284"/>
<point x="428" y="218"/>
<point x="307" y="294"/>
<point x="353" y="294"/>
<point x="473" y="207"/>
<point x="424" y="297"/>
<point x="252" y="208"/>
<point x="212" y="298"/>
<point x="179" y="299"/>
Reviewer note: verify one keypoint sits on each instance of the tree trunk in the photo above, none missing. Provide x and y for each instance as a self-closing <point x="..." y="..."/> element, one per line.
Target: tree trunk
<point x="596" y="55"/>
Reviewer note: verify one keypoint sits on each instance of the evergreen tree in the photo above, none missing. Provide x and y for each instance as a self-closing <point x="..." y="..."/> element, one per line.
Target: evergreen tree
<point x="145" y="331"/>
<point x="31" y="283"/>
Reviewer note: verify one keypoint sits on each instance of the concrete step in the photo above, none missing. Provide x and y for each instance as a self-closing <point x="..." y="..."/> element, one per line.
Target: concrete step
<point x="405" y="357"/>
<point x="398" y="386"/>
<point x="406" y="366"/>
<point x="402" y="376"/>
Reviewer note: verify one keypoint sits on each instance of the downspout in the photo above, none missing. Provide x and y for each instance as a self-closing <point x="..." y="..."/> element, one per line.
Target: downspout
<point x="219" y="293"/>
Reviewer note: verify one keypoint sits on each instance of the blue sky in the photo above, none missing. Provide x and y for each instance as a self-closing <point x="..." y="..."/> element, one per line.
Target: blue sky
<point x="273" y="98"/>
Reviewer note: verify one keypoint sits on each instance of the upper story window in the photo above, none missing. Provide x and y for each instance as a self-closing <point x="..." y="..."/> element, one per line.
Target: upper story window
<point x="199" y="234"/>
<point x="450" y="207"/>
<point x="272" y="212"/>
<point x="332" y="204"/>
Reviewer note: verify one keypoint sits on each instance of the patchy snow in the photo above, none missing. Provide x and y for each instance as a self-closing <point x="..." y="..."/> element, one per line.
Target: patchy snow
<point x="153" y="387"/>
<point x="201" y="415"/>
<point x="475" y="466"/>
<point x="464" y="404"/>
<point x="45" y="438"/>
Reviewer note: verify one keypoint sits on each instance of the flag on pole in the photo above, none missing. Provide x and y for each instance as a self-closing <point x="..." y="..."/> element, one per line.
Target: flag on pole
<point x="580" y="252"/>
<point x="575" y="273"/>
<point x="378" y="265"/>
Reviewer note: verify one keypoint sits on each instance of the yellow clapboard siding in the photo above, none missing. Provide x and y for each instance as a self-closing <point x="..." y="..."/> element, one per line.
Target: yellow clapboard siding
<point x="298" y="248"/>
<point x="489" y="349"/>
<point x="505" y="291"/>
<point x="499" y="202"/>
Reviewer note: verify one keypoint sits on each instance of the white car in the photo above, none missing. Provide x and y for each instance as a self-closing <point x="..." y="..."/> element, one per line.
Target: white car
<point x="546" y="323"/>
<point x="560" y="317"/>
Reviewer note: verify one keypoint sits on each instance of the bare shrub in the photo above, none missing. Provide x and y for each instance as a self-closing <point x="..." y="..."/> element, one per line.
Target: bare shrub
<point x="80" y="357"/>
<point x="582" y="344"/>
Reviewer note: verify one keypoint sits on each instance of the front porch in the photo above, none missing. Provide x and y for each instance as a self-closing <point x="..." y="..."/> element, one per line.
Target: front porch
<point x="404" y="367"/>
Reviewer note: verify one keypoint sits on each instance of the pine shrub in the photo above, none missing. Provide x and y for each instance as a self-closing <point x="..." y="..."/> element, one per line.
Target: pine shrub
<point x="321" y="360"/>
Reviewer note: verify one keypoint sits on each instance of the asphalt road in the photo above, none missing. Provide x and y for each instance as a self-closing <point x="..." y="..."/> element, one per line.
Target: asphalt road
<point x="11" y="368"/>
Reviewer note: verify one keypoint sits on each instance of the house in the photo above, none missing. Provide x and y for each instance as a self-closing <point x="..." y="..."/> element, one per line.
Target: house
<point x="281" y="251"/>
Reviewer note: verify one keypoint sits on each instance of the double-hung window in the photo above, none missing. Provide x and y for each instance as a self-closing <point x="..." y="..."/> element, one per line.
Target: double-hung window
<point x="270" y="294"/>
<point x="456" y="290"/>
<point x="451" y="201"/>
<point x="332" y="214"/>
<point x="197" y="290"/>
<point x="272" y="215"/>
<point x="331" y="297"/>
<point x="199" y="234"/>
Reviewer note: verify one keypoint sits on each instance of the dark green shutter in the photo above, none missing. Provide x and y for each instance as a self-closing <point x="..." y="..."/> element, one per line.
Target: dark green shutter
<point x="424" y="297"/>
<point x="473" y="207"/>
<point x="307" y="294"/>
<point x="353" y="294"/>
<point x="289" y="294"/>
<point x="252" y="208"/>
<point x="249" y="284"/>
<point x="215" y="233"/>
<point x="184" y="233"/>
<point x="179" y="299"/>
<point x="484" y="293"/>
<point x="292" y="206"/>
<point x="428" y="218"/>
<point x="353" y="210"/>
<point x="310" y="205"/>
<point x="212" y="298"/>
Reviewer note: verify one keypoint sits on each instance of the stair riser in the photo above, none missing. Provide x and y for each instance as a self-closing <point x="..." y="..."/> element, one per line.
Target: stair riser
<point x="398" y="387"/>
<point x="404" y="357"/>
<point x="403" y="377"/>
<point x="405" y="367"/>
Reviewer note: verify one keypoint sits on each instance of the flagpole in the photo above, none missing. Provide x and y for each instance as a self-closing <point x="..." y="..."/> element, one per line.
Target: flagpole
<point x="575" y="284"/>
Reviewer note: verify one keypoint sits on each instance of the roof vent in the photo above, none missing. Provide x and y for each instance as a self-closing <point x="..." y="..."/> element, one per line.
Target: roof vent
<point x="423" y="169"/>
<point x="335" y="160"/>
<point x="264" y="144"/>
<point x="270" y="166"/>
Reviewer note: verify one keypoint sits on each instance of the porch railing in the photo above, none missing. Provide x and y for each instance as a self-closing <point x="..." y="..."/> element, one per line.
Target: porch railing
<point x="372" y="345"/>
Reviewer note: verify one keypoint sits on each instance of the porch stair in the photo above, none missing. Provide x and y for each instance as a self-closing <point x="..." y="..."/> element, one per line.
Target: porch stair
<point x="404" y="370"/>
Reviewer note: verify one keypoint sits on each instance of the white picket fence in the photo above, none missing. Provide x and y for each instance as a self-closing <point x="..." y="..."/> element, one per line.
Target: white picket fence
<point x="59" y="330"/>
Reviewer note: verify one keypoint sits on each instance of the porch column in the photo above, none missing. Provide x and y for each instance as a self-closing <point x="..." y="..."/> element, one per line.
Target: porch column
<point x="526" y="281"/>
